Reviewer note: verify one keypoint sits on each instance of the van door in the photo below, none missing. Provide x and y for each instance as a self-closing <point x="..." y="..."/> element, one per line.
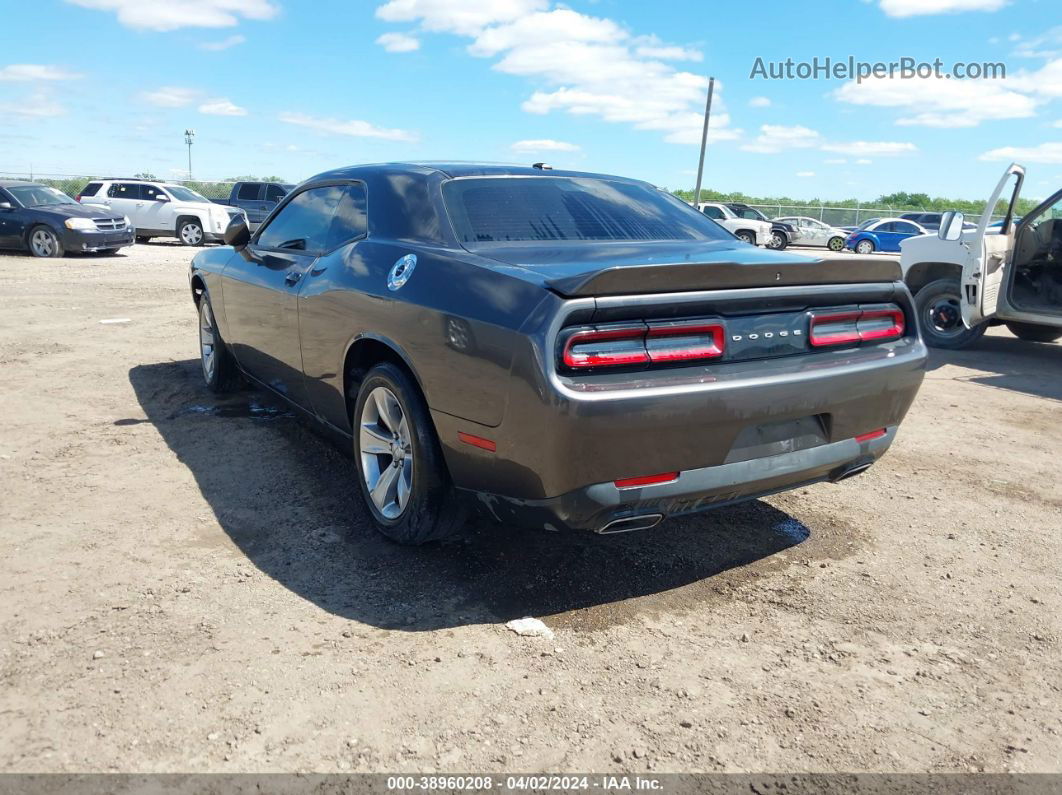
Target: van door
<point x="985" y="266"/>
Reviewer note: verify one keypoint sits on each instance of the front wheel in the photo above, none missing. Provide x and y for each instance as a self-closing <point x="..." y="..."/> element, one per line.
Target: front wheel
<point x="940" y="316"/>
<point x="778" y="241"/>
<point x="748" y="237"/>
<point x="835" y="243"/>
<point x="864" y="247"/>
<point x="43" y="242"/>
<point x="1031" y="332"/>
<point x="190" y="233"/>
<point x="401" y="473"/>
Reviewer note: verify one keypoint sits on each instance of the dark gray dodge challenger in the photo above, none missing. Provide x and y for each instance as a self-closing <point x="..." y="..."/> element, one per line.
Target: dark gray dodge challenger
<point x="560" y="349"/>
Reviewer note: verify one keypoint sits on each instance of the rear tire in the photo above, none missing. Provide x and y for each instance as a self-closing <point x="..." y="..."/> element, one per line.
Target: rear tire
<point x="403" y="466"/>
<point x="218" y="366"/>
<point x="864" y="247"/>
<point x="835" y="243"/>
<point x="940" y="316"/>
<point x="1031" y="332"/>
<point x="43" y="242"/>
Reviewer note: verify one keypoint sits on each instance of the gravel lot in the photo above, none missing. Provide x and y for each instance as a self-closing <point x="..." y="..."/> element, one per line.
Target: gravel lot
<point x="191" y="585"/>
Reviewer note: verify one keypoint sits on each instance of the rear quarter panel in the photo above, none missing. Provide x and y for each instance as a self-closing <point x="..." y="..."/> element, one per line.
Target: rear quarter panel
<point x="454" y="322"/>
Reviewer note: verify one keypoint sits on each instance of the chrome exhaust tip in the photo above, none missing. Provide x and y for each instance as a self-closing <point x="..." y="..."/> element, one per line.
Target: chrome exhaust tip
<point x="630" y="523"/>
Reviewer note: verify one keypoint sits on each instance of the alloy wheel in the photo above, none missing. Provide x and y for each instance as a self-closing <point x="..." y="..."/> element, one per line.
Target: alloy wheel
<point x="207" y="341"/>
<point x="191" y="234"/>
<point x="43" y="243"/>
<point x="386" y="450"/>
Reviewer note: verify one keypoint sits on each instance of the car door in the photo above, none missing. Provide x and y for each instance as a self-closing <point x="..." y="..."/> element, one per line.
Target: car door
<point x="987" y="255"/>
<point x="261" y="286"/>
<point x="153" y="212"/>
<point x="885" y="232"/>
<point x="249" y="199"/>
<point x="12" y="224"/>
<point x="124" y="198"/>
<point x="813" y="232"/>
<point x="901" y="230"/>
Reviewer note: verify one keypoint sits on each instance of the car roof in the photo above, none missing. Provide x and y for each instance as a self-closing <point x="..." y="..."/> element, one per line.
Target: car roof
<point x="16" y="183"/>
<point x="457" y="169"/>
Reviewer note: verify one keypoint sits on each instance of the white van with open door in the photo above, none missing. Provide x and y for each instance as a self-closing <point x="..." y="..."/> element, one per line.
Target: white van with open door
<point x="999" y="273"/>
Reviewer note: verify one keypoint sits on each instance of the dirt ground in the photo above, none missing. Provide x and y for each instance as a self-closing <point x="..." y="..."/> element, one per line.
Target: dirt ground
<point x="190" y="584"/>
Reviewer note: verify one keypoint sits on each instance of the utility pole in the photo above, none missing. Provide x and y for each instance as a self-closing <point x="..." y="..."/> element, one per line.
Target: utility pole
<point x="704" y="142"/>
<point x="188" y="136"/>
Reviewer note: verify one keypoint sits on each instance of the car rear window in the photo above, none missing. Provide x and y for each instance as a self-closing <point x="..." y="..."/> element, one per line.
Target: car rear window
<point x="91" y="189"/>
<point x="512" y="209"/>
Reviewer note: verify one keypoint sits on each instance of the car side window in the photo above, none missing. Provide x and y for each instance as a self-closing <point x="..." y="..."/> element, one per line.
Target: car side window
<point x="905" y="228"/>
<point x="6" y="197"/>
<point x="274" y="193"/>
<point x="249" y="191"/>
<point x="350" y="220"/>
<point x="888" y="227"/>
<point x="124" y="190"/>
<point x="91" y="189"/>
<point x="713" y="212"/>
<point x="149" y="192"/>
<point x="304" y="223"/>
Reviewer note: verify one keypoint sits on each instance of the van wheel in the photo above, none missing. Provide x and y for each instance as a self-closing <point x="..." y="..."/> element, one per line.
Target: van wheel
<point x="401" y="473"/>
<point x="190" y="233"/>
<point x="1031" y="332"/>
<point x="940" y="316"/>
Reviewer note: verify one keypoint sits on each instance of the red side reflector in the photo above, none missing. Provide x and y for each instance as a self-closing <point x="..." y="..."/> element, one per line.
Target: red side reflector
<point x="646" y="480"/>
<point x="477" y="441"/>
<point x="866" y="437"/>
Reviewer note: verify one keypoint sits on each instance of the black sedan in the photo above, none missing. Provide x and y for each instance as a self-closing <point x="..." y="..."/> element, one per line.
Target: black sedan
<point x="558" y="349"/>
<point x="47" y="222"/>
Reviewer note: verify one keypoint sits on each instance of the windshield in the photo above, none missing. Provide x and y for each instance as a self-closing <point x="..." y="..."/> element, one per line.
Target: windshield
<point x="510" y="209"/>
<point x="39" y="196"/>
<point x="183" y="194"/>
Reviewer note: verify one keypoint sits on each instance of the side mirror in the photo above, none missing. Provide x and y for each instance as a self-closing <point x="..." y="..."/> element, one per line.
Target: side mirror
<point x="161" y="197"/>
<point x="951" y="226"/>
<point x="6" y="206"/>
<point x="237" y="234"/>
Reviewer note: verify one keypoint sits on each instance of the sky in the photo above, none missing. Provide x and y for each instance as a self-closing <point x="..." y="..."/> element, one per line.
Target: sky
<point x="295" y="87"/>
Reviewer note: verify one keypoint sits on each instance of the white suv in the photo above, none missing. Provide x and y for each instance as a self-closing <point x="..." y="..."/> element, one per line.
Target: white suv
<point x="748" y="229"/>
<point x="162" y="209"/>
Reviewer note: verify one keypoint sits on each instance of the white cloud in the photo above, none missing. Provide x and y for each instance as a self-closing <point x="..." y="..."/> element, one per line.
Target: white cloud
<point x="910" y="8"/>
<point x="223" y="44"/>
<point x="221" y="107"/>
<point x="939" y="102"/>
<point x="354" y="127"/>
<point x="466" y="18"/>
<point x="835" y="161"/>
<point x="32" y="72"/>
<point x="759" y="102"/>
<point x="1046" y="45"/>
<point x="870" y="148"/>
<point x="776" y="137"/>
<point x="171" y="96"/>
<point x="1057" y="124"/>
<point x="1047" y="153"/>
<point x="38" y="106"/>
<point x="581" y="65"/>
<point x="805" y="173"/>
<point x="398" y="42"/>
<point x="168" y="15"/>
<point x="863" y="162"/>
<point x="1045" y="83"/>
<point x="544" y="145"/>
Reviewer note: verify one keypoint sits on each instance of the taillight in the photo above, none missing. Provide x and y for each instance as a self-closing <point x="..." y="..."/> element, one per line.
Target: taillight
<point x="683" y="341"/>
<point x="878" y="324"/>
<point x="645" y="480"/>
<point x="640" y="343"/>
<point x="606" y="347"/>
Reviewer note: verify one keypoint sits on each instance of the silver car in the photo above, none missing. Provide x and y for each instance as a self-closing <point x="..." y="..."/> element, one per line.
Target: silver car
<point x="814" y="232"/>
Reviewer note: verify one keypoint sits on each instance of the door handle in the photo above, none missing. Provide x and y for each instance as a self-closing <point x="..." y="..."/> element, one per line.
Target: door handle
<point x="292" y="277"/>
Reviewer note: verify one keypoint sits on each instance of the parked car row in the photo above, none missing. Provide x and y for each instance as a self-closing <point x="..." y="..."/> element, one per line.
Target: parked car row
<point x="111" y="213"/>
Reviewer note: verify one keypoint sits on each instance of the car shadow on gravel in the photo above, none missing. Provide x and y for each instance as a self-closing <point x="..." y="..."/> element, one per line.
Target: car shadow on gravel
<point x="287" y="498"/>
<point x="1034" y="368"/>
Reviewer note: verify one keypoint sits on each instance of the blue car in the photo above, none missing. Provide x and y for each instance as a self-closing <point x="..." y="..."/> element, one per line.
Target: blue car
<point x="882" y="234"/>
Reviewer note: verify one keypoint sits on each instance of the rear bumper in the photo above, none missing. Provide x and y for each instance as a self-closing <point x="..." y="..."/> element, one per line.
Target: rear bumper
<point x="604" y="508"/>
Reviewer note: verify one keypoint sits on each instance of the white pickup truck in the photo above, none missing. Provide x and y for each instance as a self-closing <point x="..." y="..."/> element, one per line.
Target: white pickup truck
<point x="751" y="230"/>
<point x="999" y="273"/>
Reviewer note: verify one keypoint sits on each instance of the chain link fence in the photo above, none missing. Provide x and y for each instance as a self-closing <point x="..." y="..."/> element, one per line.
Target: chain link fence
<point x="72" y="185"/>
<point x="841" y="216"/>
